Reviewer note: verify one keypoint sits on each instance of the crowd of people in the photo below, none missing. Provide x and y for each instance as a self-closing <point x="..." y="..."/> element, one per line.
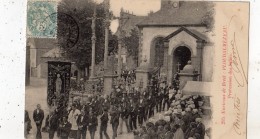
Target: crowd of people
<point x="182" y="114"/>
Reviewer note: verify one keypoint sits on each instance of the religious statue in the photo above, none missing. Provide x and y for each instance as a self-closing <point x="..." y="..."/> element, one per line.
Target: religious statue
<point x="58" y="84"/>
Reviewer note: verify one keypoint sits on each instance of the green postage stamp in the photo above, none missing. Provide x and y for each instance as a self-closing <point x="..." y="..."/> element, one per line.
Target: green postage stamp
<point x="42" y="19"/>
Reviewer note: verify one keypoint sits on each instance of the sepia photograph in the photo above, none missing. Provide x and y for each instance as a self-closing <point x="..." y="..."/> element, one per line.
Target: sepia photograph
<point x="133" y="69"/>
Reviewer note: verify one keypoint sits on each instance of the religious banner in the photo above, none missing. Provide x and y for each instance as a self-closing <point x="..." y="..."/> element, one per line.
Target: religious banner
<point x="59" y="74"/>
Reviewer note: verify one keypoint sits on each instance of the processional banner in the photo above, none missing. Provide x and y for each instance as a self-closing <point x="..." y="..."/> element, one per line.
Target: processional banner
<point x="59" y="74"/>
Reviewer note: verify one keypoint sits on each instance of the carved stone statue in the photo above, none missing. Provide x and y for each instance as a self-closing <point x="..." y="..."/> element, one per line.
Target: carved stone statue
<point x="58" y="85"/>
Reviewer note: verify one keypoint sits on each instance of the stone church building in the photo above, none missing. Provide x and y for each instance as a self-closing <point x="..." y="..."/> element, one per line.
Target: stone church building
<point x="179" y="32"/>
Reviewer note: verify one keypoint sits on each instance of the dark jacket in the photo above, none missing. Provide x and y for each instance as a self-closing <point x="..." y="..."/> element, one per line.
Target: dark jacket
<point x="133" y="110"/>
<point x="141" y="107"/>
<point x="114" y="116"/>
<point x="83" y="122"/>
<point x="200" y="129"/>
<point x="104" y="118"/>
<point x="93" y="123"/>
<point x="124" y="108"/>
<point x="52" y="122"/>
<point x="38" y="116"/>
<point x="64" y="129"/>
<point x="105" y="104"/>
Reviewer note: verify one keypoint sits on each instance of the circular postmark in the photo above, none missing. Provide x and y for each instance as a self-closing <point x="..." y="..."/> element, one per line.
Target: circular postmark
<point x="39" y="23"/>
<point x="68" y="30"/>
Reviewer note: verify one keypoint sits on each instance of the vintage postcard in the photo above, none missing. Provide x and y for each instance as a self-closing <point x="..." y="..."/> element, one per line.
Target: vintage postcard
<point x="136" y="69"/>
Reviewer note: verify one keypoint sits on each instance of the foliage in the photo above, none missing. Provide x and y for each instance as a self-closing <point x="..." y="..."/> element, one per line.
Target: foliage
<point x="78" y="49"/>
<point x="132" y="43"/>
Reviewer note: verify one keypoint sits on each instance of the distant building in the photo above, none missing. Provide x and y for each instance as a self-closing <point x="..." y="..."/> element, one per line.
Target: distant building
<point x="38" y="47"/>
<point x="43" y="50"/>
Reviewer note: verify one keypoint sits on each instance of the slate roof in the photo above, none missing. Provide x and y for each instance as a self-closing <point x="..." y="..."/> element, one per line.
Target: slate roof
<point x="189" y="13"/>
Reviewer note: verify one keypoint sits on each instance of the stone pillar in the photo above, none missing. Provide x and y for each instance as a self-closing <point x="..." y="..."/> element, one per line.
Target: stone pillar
<point x="119" y="66"/>
<point x="199" y="61"/>
<point x="108" y="79"/>
<point x="108" y="82"/>
<point x="93" y="39"/>
<point x="107" y="24"/>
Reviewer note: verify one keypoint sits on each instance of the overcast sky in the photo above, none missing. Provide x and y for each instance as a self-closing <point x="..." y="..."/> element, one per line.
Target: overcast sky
<point x="138" y="7"/>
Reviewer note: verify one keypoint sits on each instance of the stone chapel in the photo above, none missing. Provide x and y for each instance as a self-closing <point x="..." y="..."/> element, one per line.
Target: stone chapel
<point x="177" y="35"/>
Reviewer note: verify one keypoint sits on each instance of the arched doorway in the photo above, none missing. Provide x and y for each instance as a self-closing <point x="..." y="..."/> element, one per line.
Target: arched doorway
<point x="181" y="56"/>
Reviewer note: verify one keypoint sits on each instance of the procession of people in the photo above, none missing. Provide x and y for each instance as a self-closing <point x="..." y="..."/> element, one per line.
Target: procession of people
<point x="180" y="116"/>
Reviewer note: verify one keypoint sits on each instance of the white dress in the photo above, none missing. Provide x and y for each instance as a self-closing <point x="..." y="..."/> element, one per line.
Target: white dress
<point x="72" y="118"/>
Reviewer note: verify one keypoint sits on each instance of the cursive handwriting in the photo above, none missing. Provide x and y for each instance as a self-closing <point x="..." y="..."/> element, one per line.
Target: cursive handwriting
<point x="236" y="123"/>
<point x="237" y="67"/>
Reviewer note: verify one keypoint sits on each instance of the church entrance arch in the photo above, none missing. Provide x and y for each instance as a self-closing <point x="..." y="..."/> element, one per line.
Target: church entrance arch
<point x="181" y="56"/>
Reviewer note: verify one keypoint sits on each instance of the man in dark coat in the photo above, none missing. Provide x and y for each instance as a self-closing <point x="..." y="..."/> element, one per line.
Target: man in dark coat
<point x="85" y="106"/>
<point x="146" y="107"/>
<point x="64" y="128"/>
<point x="166" y="99"/>
<point x="124" y="113"/>
<point x="38" y="116"/>
<point x="103" y="127"/>
<point x="132" y="115"/>
<point x="93" y="123"/>
<point x="94" y="105"/>
<point x="150" y="105"/>
<point x="52" y="120"/>
<point x="160" y="99"/>
<point x="114" y="120"/>
<point x="105" y="103"/>
<point x="82" y="123"/>
<point x="141" y="110"/>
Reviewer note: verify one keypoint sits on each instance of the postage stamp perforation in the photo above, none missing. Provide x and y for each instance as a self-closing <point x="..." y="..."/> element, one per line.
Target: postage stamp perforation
<point x="41" y="22"/>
